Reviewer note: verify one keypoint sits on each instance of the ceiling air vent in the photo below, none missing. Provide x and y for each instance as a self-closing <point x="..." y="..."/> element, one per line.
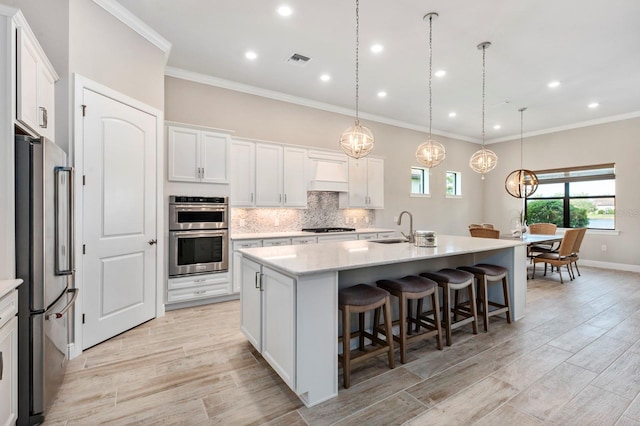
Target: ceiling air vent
<point x="298" y="59"/>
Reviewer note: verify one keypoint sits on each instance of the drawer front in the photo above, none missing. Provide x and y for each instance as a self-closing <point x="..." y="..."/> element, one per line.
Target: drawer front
<point x="372" y="236"/>
<point x="383" y="235"/>
<point x="8" y="307"/>
<point x="198" y="281"/>
<point x="246" y="244"/>
<point x="202" y="292"/>
<point x="304" y="240"/>
<point x="276" y="242"/>
<point x="334" y="238"/>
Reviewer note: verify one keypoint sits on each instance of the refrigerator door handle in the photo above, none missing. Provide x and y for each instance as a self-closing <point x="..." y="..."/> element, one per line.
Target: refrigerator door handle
<point x="68" y="306"/>
<point x="64" y="200"/>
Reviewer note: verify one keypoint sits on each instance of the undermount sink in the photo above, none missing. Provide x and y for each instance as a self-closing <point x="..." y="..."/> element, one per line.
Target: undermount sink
<point x="391" y="241"/>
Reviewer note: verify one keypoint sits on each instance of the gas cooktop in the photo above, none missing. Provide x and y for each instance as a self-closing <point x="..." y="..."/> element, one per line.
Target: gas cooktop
<point x="325" y="230"/>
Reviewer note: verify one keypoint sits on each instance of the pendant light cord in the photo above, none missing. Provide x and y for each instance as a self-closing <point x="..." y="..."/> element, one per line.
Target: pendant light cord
<point x="357" y="54"/>
<point x="484" y="49"/>
<point x="521" y="140"/>
<point x="430" y="62"/>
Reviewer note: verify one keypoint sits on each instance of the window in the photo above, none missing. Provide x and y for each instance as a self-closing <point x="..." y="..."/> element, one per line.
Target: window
<point x="575" y="197"/>
<point x="454" y="184"/>
<point x="419" y="181"/>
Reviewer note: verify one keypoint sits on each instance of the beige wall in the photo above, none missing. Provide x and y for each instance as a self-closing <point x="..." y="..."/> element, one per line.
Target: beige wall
<point x="616" y="142"/>
<point x="267" y="119"/>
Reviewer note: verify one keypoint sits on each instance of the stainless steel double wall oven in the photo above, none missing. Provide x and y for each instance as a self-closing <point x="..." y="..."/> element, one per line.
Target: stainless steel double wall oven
<point x="198" y="235"/>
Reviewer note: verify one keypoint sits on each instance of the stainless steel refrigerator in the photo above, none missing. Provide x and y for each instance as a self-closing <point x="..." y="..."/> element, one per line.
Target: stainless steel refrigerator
<point x="45" y="261"/>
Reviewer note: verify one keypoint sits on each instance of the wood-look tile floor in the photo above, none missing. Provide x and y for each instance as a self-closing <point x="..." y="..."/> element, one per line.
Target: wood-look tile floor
<point x="574" y="359"/>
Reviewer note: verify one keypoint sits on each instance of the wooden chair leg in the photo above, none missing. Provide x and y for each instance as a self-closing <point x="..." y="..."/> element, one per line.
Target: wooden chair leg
<point x="418" y="312"/>
<point x="409" y="314"/>
<point x="446" y="311"/>
<point x="403" y="329"/>
<point x="435" y="305"/>
<point x="361" y="328"/>
<point x="389" y="330"/>
<point x="484" y="294"/>
<point x="376" y="325"/>
<point x="474" y="312"/>
<point x="507" y="299"/>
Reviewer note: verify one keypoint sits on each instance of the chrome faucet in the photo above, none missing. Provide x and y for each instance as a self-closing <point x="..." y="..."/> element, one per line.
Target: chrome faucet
<point x="409" y="237"/>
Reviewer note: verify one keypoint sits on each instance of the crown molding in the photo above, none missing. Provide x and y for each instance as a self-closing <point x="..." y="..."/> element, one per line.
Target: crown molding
<point x="271" y="94"/>
<point x="603" y="120"/>
<point x="133" y="22"/>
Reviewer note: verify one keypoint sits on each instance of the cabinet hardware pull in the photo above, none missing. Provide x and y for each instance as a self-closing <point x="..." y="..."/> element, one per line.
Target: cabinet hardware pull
<point x="152" y="242"/>
<point x="1" y="365"/>
<point x="200" y="280"/>
<point x="43" y="114"/>
<point x="285" y="198"/>
<point x="258" y="284"/>
<point x="280" y="198"/>
<point x="200" y="292"/>
<point x="202" y="172"/>
<point x="252" y="197"/>
<point x="261" y="288"/>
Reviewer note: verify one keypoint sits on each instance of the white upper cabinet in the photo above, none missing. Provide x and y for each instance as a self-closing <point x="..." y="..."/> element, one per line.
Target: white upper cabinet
<point x="268" y="175"/>
<point x="243" y="174"/>
<point x="366" y="184"/>
<point x="197" y="155"/>
<point x="35" y="91"/>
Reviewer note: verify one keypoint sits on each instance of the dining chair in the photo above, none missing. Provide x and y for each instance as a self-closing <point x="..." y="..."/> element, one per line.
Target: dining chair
<point x="576" y="249"/>
<point x="560" y="258"/>
<point x="481" y="225"/>
<point x="484" y="232"/>
<point x="542" y="229"/>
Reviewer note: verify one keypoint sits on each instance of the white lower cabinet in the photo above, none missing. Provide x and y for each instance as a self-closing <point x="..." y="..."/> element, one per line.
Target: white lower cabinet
<point x="195" y="287"/>
<point x="336" y="237"/>
<point x="267" y="314"/>
<point x="368" y="236"/>
<point x="304" y="240"/>
<point x="9" y="359"/>
<point x="385" y="235"/>
<point x="236" y="264"/>
<point x="273" y="242"/>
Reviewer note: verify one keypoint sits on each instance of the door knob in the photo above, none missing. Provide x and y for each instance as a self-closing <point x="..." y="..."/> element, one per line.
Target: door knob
<point x="152" y="242"/>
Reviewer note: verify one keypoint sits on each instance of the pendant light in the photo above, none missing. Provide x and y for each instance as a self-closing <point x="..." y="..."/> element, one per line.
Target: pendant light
<point x="430" y="153"/>
<point x="357" y="141"/>
<point x="521" y="183"/>
<point x="484" y="160"/>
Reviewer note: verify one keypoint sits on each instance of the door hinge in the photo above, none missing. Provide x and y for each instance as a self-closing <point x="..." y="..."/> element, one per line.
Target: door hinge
<point x="83" y="318"/>
<point x="84" y="180"/>
<point x="84" y="249"/>
<point x="84" y="110"/>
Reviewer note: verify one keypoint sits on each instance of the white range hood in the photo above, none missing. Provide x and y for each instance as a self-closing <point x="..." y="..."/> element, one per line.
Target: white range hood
<point x="329" y="172"/>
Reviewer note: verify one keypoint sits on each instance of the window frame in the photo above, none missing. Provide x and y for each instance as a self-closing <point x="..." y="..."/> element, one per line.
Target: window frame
<point x="426" y="182"/>
<point x="572" y="174"/>
<point x="457" y="184"/>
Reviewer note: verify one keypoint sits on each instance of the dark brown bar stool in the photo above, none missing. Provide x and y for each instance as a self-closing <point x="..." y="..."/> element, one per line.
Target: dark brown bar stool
<point x="360" y="299"/>
<point x="407" y="289"/>
<point x="486" y="274"/>
<point x="455" y="279"/>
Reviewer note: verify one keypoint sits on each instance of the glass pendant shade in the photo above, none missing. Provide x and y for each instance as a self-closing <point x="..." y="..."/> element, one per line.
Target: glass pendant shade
<point x="483" y="161"/>
<point x="357" y="141"/>
<point x="430" y="153"/>
<point x="521" y="183"/>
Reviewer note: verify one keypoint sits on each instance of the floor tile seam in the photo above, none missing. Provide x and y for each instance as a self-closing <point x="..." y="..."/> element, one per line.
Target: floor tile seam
<point x="297" y="410"/>
<point x="629" y="401"/>
<point x="359" y="411"/>
<point x="614" y="392"/>
<point x="611" y="361"/>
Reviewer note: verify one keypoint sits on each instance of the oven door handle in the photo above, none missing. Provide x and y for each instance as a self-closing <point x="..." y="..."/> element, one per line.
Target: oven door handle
<point x="196" y="233"/>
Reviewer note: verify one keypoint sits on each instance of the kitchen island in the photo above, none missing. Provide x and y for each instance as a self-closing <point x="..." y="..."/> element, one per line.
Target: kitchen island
<point x="289" y="296"/>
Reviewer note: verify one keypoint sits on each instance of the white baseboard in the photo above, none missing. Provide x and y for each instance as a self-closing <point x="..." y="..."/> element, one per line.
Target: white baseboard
<point x="610" y="265"/>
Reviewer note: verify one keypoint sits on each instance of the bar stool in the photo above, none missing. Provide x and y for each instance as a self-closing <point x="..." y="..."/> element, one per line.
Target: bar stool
<point x="455" y="279"/>
<point x="407" y="289"/>
<point x="360" y="299"/>
<point x="486" y="274"/>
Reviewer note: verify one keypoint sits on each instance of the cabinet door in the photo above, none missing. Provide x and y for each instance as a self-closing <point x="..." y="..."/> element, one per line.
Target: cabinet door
<point x="269" y="176"/>
<point x="273" y="242"/>
<point x="183" y="154"/>
<point x="9" y="382"/>
<point x="295" y="177"/>
<point x="27" y="81"/>
<point x="357" y="182"/>
<point x="214" y="157"/>
<point x="236" y="262"/>
<point x="278" y="344"/>
<point x="242" y="173"/>
<point x="46" y="103"/>
<point x="251" y="302"/>
<point x="375" y="183"/>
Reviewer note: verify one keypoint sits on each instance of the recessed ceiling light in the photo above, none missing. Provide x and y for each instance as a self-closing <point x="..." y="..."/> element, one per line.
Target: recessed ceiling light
<point x="497" y="126"/>
<point x="325" y="77"/>
<point x="593" y="105"/>
<point x="382" y="94"/>
<point x="284" y="10"/>
<point x="553" y="84"/>
<point x="440" y="73"/>
<point x="251" y="55"/>
<point x="452" y="114"/>
<point x="377" y="48"/>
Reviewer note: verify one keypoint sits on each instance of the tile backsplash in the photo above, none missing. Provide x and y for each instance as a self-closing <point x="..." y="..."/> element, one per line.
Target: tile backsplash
<point x="322" y="210"/>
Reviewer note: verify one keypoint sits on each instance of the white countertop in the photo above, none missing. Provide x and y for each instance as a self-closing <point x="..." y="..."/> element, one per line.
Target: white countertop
<point x="290" y="234"/>
<point x="8" y="285"/>
<point x="308" y="259"/>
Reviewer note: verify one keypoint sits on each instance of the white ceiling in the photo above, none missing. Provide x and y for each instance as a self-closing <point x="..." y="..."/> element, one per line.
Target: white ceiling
<point x="590" y="46"/>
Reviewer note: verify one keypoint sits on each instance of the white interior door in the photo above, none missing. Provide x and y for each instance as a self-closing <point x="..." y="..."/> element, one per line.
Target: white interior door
<point x="119" y="216"/>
